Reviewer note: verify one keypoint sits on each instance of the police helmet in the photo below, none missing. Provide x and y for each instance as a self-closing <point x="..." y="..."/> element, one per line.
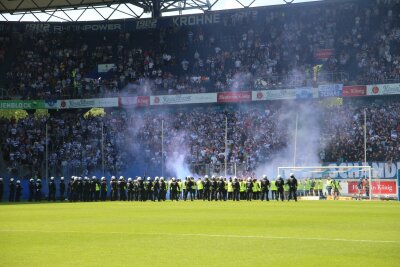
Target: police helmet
<point x="156" y="178"/>
<point x="30" y="180"/>
<point x="264" y="176"/>
<point x="1" y="179"/>
<point x="279" y="176"/>
<point x="113" y="177"/>
<point x="206" y="177"/>
<point x="129" y="179"/>
<point x="291" y="174"/>
<point x="94" y="177"/>
<point x="139" y="178"/>
<point x="62" y="178"/>
<point x="52" y="178"/>
<point x="12" y="180"/>
<point x="161" y="178"/>
<point x="173" y="178"/>
<point x="18" y="181"/>
<point x="38" y="180"/>
<point x="148" y="178"/>
<point x="103" y="178"/>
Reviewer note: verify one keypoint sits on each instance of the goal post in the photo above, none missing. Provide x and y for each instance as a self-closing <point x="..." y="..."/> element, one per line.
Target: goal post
<point x="347" y="175"/>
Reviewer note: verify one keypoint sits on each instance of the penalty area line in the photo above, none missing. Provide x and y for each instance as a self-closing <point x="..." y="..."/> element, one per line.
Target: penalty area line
<point x="208" y="235"/>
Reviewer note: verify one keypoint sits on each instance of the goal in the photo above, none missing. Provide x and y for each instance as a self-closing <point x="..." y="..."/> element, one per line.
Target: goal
<point x="313" y="181"/>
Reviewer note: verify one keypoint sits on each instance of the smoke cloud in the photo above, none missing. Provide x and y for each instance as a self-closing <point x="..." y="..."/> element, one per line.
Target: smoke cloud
<point x="308" y="138"/>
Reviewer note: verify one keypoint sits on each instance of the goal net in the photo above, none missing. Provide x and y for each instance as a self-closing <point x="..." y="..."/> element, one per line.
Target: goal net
<point x="358" y="182"/>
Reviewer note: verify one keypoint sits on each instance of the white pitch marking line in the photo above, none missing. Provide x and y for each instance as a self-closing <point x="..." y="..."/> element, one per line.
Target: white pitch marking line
<point x="211" y="235"/>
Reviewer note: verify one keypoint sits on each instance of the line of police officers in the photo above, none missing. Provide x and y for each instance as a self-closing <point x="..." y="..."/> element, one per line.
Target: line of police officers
<point x="207" y="189"/>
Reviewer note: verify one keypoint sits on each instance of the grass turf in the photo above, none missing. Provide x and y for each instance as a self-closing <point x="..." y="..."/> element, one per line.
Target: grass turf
<point x="307" y="233"/>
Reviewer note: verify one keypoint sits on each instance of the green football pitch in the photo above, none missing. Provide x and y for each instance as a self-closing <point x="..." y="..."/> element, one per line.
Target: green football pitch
<point x="307" y="233"/>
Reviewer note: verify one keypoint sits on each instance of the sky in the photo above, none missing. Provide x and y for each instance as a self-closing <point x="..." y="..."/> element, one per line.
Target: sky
<point x="92" y="15"/>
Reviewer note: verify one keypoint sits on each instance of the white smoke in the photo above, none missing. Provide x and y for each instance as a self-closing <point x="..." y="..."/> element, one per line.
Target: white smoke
<point x="307" y="143"/>
<point x="177" y="154"/>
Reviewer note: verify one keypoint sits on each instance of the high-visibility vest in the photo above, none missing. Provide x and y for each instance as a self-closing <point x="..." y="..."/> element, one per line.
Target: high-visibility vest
<point x="242" y="186"/>
<point x="180" y="186"/>
<point x="307" y="186"/>
<point x="97" y="187"/>
<point x="230" y="187"/>
<point x="273" y="185"/>
<point x="259" y="186"/>
<point x="183" y="185"/>
<point x="199" y="185"/>
<point x="300" y="186"/>
<point x="320" y="185"/>
<point x="285" y="187"/>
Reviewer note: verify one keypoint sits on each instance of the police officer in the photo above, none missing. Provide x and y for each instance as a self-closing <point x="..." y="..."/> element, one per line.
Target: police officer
<point x="249" y="189"/>
<point x="103" y="189"/>
<point x="220" y="189"/>
<point x="62" y="189"/>
<point x="230" y="189"/>
<point x="11" y="187"/>
<point x="141" y="189"/>
<point x="236" y="189"/>
<point x="162" y="189"/>
<point x="292" y="182"/>
<point x="156" y="188"/>
<point x="80" y="188"/>
<point x="114" y="188"/>
<point x="31" y="189"/>
<point x="122" y="188"/>
<point x="214" y="187"/>
<point x="174" y="190"/>
<point x="74" y="188"/>
<point x="38" y="189"/>
<point x="265" y="188"/>
<point x="200" y="188"/>
<point x="189" y="188"/>
<point x="92" y="194"/>
<point x="18" y="191"/>
<point x="130" y="189"/>
<point x="52" y="190"/>
<point x="207" y="189"/>
<point x="86" y="189"/>
<point x="1" y="189"/>
<point x="97" y="190"/>
<point x="279" y="183"/>
<point x="149" y="189"/>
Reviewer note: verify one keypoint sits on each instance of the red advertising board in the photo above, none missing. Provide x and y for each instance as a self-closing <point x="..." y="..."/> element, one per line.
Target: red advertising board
<point x="355" y="90"/>
<point x="382" y="187"/>
<point x="138" y="101"/>
<point x="323" y="54"/>
<point x="226" y="97"/>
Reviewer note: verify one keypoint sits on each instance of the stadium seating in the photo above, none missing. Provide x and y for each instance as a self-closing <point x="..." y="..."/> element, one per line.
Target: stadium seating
<point x="268" y="47"/>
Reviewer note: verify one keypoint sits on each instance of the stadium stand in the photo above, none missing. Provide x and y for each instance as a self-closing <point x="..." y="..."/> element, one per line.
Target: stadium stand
<point x="355" y="42"/>
<point x="262" y="47"/>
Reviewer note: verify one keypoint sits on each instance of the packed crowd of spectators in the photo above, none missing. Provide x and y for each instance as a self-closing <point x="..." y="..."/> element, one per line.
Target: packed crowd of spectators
<point x="256" y="135"/>
<point x="250" y="49"/>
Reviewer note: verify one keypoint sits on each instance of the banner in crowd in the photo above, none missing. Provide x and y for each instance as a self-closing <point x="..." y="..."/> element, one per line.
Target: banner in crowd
<point x="82" y="103"/>
<point x="232" y="97"/>
<point x="323" y="54"/>
<point x="134" y="101"/>
<point x="330" y="90"/>
<point x="378" y="187"/>
<point x="183" y="99"/>
<point x="22" y="104"/>
<point x="383" y="89"/>
<point x="354" y="90"/>
<point x="306" y="93"/>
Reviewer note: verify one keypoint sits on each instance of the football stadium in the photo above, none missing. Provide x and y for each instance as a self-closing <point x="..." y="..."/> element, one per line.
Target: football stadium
<point x="199" y="132"/>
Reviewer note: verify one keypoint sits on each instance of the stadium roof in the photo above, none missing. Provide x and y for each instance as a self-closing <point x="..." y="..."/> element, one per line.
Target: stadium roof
<point x="84" y="10"/>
